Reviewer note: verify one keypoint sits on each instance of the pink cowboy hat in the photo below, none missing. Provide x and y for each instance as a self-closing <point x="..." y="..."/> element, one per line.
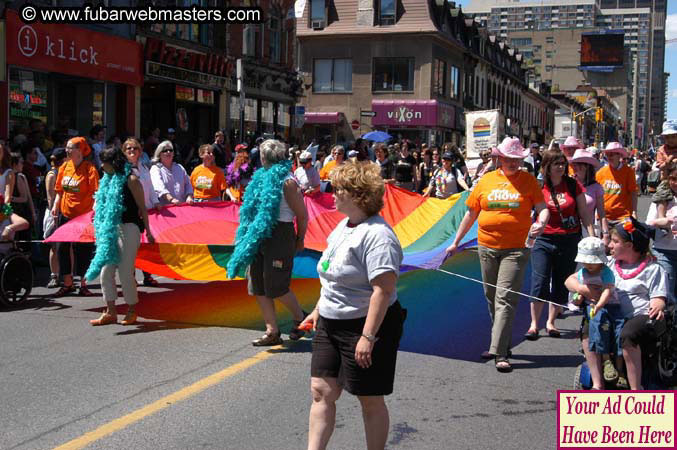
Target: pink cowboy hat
<point x="616" y="147"/>
<point x="512" y="148"/>
<point x="585" y="157"/>
<point x="494" y="151"/>
<point x="571" y="142"/>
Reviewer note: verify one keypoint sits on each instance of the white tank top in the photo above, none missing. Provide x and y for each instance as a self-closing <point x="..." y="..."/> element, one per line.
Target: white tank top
<point x="286" y="214"/>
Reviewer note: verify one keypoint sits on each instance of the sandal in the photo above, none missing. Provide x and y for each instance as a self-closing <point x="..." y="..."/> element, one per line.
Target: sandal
<point x="64" y="291"/>
<point x="267" y="340"/>
<point x="130" y="318"/>
<point x="53" y="282"/>
<point x="84" y="292"/>
<point x="150" y="282"/>
<point x="531" y="335"/>
<point x="105" y="319"/>
<point x="610" y="372"/>
<point x="295" y="334"/>
<point x="503" y="365"/>
<point x="487" y="355"/>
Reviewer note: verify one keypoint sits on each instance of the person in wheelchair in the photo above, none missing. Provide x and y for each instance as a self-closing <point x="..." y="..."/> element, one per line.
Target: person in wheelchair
<point x="641" y="288"/>
<point x="10" y="223"/>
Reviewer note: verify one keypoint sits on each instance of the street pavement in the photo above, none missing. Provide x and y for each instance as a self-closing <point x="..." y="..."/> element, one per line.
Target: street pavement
<point x="148" y="386"/>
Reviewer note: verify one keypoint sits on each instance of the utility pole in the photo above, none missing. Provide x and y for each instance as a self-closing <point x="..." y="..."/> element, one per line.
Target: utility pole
<point x="635" y="100"/>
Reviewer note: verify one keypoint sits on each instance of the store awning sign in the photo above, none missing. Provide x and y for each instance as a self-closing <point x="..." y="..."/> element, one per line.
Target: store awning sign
<point x="197" y="79"/>
<point x="74" y="51"/>
<point x="407" y="113"/>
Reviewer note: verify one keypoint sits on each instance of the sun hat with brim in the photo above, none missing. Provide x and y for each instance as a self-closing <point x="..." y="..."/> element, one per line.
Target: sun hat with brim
<point x="512" y="148"/>
<point x="591" y="250"/>
<point x="616" y="147"/>
<point x="585" y="157"/>
<point x="494" y="151"/>
<point x="571" y="142"/>
<point x="669" y="127"/>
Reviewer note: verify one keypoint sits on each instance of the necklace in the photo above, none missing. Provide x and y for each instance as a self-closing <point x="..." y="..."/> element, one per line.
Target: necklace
<point x="634" y="273"/>
<point x="340" y="240"/>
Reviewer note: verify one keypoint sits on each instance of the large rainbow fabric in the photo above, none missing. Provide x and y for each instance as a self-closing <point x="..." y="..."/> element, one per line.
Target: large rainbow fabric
<point x="194" y="242"/>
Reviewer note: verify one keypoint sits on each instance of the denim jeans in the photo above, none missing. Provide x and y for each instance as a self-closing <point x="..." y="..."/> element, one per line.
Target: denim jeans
<point x="552" y="261"/>
<point x="667" y="259"/>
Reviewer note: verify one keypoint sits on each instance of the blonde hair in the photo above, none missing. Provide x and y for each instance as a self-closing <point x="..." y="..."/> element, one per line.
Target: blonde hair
<point x="131" y="140"/>
<point x="362" y="180"/>
<point x="203" y="148"/>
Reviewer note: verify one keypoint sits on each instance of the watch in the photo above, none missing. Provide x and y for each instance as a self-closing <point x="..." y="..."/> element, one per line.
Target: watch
<point x="370" y="337"/>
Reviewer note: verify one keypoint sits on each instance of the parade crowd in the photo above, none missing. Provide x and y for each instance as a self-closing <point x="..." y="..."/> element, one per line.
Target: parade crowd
<point x="571" y="211"/>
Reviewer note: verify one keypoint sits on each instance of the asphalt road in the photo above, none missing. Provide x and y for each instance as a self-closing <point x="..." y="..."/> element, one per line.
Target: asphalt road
<point x="148" y="386"/>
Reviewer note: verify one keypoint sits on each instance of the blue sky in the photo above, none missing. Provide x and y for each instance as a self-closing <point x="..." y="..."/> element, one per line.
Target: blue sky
<point x="670" y="56"/>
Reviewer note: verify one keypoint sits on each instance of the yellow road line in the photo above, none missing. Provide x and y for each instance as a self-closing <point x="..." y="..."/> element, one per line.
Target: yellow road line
<point x="164" y="402"/>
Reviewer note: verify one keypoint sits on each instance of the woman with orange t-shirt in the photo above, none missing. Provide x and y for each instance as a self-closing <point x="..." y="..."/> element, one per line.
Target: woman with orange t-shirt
<point x="76" y="183"/>
<point x="207" y="179"/>
<point x="502" y="201"/>
<point x="619" y="184"/>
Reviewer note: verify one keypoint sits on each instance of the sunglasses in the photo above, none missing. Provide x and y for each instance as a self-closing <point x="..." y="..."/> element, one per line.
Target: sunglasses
<point x="167" y="151"/>
<point x="132" y="148"/>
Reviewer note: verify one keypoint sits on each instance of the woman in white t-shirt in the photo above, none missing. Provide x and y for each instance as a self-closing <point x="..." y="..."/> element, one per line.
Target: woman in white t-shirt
<point x="665" y="243"/>
<point x="358" y="320"/>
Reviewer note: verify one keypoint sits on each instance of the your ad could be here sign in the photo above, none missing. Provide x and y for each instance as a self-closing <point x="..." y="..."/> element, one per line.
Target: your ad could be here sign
<point x="613" y="419"/>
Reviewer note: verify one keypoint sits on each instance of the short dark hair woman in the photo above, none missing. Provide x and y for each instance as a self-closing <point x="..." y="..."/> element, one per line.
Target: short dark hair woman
<point x="358" y="320"/>
<point x="119" y="219"/>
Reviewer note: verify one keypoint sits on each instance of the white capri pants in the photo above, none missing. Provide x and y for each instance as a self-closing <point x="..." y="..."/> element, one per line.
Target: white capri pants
<point x="128" y="242"/>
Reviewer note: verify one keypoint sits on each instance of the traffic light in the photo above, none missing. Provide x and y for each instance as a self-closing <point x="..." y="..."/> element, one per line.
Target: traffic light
<point x="599" y="114"/>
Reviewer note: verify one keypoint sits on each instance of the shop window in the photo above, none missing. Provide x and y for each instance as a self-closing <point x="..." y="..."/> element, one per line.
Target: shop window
<point x="440" y="77"/>
<point x="333" y="75"/>
<point x="275" y="39"/>
<point x="387" y="12"/>
<point x="453" y="82"/>
<point x="194" y="32"/>
<point x="318" y="14"/>
<point x="393" y="74"/>
<point x="27" y="97"/>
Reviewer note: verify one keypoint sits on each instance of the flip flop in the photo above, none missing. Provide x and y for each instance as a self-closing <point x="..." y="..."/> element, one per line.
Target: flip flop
<point x="554" y="333"/>
<point x="503" y="365"/>
<point x="531" y="335"/>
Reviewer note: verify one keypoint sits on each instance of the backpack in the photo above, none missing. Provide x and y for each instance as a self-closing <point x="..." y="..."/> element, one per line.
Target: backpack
<point x="654" y="179"/>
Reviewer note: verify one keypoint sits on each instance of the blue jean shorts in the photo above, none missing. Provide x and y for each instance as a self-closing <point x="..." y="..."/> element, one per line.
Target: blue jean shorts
<point x="605" y="329"/>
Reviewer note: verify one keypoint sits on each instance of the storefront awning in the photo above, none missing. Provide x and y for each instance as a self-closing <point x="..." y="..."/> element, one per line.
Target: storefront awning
<point x="413" y="113"/>
<point x="322" y="117"/>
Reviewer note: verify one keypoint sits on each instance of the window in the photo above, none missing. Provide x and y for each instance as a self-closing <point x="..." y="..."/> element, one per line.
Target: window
<point x="549" y="53"/>
<point x="251" y="40"/>
<point x="333" y="75"/>
<point x="318" y="14"/>
<point x="549" y="40"/>
<point x="187" y="31"/>
<point x="275" y="39"/>
<point x="548" y="68"/>
<point x="393" y="74"/>
<point x="387" y="12"/>
<point x="440" y="77"/>
<point x="453" y="82"/>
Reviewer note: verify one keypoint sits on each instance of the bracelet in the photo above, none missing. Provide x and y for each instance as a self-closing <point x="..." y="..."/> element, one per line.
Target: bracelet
<point x="605" y="233"/>
<point x="370" y="337"/>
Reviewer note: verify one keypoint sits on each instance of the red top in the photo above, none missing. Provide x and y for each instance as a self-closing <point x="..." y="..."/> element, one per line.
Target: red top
<point x="567" y="204"/>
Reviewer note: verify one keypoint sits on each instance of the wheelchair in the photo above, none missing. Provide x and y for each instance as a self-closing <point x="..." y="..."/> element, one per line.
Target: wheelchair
<point x="659" y="360"/>
<point x="16" y="274"/>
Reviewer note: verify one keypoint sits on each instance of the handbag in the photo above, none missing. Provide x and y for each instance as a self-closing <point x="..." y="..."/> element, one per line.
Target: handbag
<point x="48" y="224"/>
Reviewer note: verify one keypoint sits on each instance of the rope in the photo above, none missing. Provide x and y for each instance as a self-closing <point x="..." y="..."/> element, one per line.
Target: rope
<point x="569" y="306"/>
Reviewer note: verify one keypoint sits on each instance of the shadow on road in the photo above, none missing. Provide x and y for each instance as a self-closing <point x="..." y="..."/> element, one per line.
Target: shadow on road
<point x="540" y="361"/>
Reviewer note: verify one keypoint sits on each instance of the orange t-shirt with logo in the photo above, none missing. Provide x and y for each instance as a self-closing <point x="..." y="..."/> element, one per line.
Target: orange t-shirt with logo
<point x="208" y="182"/>
<point x="505" y="205"/>
<point x="618" y="185"/>
<point x="77" y="186"/>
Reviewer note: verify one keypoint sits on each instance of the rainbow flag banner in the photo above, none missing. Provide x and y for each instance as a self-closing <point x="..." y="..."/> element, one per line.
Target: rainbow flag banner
<point x="194" y="242"/>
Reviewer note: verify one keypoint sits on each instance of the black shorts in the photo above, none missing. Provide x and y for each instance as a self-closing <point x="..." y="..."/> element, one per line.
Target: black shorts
<point x="334" y="353"/>
<point x="640" y="331"/>
<point x="270" y="273"/>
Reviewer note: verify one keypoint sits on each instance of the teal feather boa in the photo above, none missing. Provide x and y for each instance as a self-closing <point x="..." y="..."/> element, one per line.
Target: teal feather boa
<point x="107" y="218"/>
<point x="258" y="215"/>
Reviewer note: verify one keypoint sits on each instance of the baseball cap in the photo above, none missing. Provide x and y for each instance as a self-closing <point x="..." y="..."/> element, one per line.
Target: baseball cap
<point x="240" y="148"/>
<point x="306" y="156"/>
<point x="171" y="131"/>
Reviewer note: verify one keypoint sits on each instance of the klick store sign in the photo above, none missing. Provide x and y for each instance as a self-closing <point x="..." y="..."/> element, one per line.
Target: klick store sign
<point x="73" y="51"/>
